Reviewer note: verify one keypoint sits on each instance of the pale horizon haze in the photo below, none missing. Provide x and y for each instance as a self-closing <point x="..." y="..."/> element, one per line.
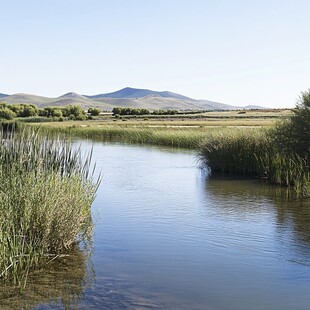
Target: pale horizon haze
<point x="233" y="52"/>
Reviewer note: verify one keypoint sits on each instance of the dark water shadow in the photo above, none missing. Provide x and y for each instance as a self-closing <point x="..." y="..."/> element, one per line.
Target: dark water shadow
<point x="248" y="197"/>
<point x="61" y="282"/>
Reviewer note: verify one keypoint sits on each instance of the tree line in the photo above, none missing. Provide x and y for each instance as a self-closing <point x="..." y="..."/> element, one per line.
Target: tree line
<point x="134" y="111"/>
<point x="72" y="112"/>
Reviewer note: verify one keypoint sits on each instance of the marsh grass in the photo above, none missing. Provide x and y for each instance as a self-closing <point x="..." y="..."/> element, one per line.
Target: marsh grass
<point x="289" y="170"/>
<point x="242" y="151"/>
<point x="234" y="152"/>
<point x="46" y="191"/>
<point x="254" y="154"/>
<point x="185" y="137"/>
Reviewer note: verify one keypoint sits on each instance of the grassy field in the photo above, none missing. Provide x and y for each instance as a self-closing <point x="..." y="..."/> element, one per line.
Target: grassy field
<point x="207" y="119"/>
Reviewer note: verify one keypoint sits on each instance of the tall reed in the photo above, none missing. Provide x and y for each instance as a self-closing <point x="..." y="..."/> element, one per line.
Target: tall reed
<point x="255" y="154"/>
<point x="234" y="152"/>
<point x="176" y="137"/>
<point x="46" y="191"/>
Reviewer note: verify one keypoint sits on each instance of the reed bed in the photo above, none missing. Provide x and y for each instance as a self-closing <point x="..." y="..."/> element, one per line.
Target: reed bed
<point x="255" y="154"/>
<point x="235" y="151"/>
<point x="175" y="137"/>
<point x="46" y="191"/>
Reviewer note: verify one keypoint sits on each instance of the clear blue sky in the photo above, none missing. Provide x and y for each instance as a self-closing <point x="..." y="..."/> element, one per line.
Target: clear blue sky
<point x="230" y="51"/>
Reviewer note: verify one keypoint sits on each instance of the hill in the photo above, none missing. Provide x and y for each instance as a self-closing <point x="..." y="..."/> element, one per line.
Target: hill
<point x="135" y="93"/>
<point x="126" y="97"/>
<point x="3" y="95"/>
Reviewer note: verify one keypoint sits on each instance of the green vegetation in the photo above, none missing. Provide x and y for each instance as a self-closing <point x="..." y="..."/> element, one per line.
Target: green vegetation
<point x="235" y="152"/>
<point x="61" y="282"/>
<point x="7" y="114"/>
<point x="177" y="137"/>
<point x="293" y="134"/>
<point x="130" y="111"/>
<point x="133" y="111"/>
<point x="46" y="192"/>
<point x="230" y="142"/>
<point x="94" y="111"/>
<point x="280" y="155"/>
<point x="72" y="112"/>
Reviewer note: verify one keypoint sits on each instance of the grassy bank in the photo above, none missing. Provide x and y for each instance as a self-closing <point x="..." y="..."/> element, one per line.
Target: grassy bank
<point x="46" y="193"/>
<point x="281" y="155"/>
<point x="255" y="154"/>
<point x="228" y="143"/>
<point x="176" y="134"/>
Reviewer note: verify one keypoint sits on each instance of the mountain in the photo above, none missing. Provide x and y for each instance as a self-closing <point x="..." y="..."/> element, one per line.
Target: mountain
<point x="134" y="93"/>
<point x="27" y="98"/>
<point x="254" y="107"/>
<point x="126" y="97"/>
<point x="66" y="99"/>
<point x="76" y="99"/>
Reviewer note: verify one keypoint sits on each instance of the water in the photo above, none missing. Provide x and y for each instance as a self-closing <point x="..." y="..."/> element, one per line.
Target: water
<point x="169" y="237"/>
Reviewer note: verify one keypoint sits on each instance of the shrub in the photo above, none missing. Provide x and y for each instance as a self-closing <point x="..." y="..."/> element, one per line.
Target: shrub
<point x="6" y="113"/>
<point x="94" y="111"/>
<point x="24" y="110"/>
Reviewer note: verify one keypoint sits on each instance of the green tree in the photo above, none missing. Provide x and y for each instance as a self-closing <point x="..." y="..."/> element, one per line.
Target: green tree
<point x="144" y="112"/>
<point x="6" y="113"/>
<point x="116" y="111"/>
<point x="57" y="113"/>
<point x="53" y="111"/>
<point x="76" y="110"/>
<point x="17" y="109"/>
<point x="293" y="134"/>
<point x="29" y="110"/>
<point x="42" y="112"/>
<point x="94" y="111"/>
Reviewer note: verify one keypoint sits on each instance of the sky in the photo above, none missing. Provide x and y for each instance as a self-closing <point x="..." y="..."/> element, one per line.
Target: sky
<point x="231" y="51"/>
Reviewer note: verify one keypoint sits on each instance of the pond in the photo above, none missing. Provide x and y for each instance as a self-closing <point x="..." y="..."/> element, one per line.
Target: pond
<point x="169" y="236"/>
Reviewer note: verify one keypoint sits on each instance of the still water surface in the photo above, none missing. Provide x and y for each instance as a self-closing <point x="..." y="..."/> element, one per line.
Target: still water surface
<point x="167" y="236"/>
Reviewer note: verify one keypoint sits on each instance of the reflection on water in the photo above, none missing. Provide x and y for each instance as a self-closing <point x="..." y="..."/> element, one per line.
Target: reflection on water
<point x="61" y="283"/>
<point x="169" y="237"/>
<point x="291" y="215"/>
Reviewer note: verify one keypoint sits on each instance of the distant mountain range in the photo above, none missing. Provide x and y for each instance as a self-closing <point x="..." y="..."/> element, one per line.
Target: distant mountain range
<point x="126" y="97"/>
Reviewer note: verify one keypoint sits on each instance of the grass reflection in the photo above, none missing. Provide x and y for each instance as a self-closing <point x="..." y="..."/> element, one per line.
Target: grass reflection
<point x="250" y="198"/>
<point x="61" y="282"/>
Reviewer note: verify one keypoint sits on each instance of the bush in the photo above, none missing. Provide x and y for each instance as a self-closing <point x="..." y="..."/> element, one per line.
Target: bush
<point x="6" y="113"/>
<point x="94" y="111"/>
<point x="81" y="117"/>
<point x="24" y="110"/>
<point x="72" y="110"/>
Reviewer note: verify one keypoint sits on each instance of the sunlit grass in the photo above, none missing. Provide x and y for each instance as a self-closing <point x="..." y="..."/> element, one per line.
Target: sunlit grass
<point x="46" y="192"/>
<point x="224" y="145"/>
<point x="254" y="154"/>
